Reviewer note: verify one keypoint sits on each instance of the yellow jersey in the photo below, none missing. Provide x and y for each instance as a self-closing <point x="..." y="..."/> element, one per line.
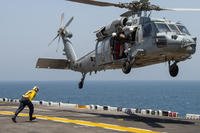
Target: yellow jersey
<point x="30" y="95"/>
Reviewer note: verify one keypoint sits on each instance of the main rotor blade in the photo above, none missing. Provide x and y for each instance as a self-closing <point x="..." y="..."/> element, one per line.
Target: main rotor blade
<point x="94" y="2"/>
<point x="183" y="9"/>
<point x="69" y="22"/>
<point x="53" y="40"/>
<point x="137" y="6"/>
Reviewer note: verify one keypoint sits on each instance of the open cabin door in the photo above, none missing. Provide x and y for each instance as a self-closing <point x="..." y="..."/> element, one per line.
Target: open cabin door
<point x="103" y="52"/>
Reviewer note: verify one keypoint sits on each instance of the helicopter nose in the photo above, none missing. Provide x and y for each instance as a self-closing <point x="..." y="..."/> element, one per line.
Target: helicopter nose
<point x="191" y="49"/>
<point x="189" y="45"/>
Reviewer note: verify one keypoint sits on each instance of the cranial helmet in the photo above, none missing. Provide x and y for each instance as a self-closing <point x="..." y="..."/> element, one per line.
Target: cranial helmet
<point x="36" y="88"/>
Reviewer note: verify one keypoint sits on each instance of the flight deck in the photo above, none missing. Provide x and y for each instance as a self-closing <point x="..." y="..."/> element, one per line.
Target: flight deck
<point x="53" y="119"/>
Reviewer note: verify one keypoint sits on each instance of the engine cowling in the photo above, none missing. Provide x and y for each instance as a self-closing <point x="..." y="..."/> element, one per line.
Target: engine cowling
<point x="109" y="29"/>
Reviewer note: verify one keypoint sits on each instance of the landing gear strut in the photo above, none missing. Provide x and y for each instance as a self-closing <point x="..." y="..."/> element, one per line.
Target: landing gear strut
<point x="80" y="85"/>
<point x="126" y="68"/>
<point x="173" y="69"/>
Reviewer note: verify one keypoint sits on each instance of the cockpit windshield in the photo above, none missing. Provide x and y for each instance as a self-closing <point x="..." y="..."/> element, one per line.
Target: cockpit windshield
<point x="162" y="27"/>
<point x="183" y="29"/>
<point x="174" y="28"/>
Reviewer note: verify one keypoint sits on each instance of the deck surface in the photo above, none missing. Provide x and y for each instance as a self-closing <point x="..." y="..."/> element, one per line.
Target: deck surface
<point x="65" y="120"/>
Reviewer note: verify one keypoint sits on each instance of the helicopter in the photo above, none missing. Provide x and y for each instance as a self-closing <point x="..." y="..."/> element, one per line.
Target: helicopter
<point x="132" y="41"/>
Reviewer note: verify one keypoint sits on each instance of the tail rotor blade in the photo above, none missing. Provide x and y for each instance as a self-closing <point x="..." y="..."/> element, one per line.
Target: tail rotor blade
<point x="53" y="40"/>
<point x="69" y="22"/>
<point x="58" y="44"/>
<point x="59" y="40"/>
<point x="62" y="19"/>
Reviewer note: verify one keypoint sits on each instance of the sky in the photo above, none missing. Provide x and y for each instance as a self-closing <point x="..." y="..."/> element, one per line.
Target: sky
<point x="27" y="26"/>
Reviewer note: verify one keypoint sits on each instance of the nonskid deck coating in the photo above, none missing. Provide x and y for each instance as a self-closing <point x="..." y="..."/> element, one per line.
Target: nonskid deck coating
<point x="62" y="120"/>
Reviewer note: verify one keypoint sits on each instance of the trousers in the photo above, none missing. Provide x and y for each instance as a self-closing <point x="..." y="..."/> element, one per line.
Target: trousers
<point x="23" y="103"/>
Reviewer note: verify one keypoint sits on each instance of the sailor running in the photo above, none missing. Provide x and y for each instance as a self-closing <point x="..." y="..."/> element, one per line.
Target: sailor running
<point x="26" y="101"/>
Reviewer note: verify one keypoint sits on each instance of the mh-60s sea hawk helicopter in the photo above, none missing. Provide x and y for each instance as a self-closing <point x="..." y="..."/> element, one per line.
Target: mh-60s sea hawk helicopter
<point x="132" y="41"/>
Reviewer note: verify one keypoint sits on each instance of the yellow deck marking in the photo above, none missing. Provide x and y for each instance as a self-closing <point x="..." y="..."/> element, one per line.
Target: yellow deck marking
<point x="26" y="108"/>
<point x="85" y="123"/>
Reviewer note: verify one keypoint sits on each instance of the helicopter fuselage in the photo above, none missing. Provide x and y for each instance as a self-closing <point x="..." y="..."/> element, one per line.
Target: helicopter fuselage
<point x="148" y="42"/>
<point x="128" y="43"/>
<point x="132" y="41"/>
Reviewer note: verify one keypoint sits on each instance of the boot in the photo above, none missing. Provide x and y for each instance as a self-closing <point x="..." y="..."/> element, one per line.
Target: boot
<point x="32" y="118"/>
<point x="14" y="119"/>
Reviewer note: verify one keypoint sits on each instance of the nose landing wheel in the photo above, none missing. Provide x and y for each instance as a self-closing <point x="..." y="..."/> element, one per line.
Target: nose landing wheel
<point x="173" y="69"/>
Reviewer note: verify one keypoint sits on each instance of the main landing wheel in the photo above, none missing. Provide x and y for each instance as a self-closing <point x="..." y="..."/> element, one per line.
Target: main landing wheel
<point x="126" y="68"/>
<point x="80" y="85"/>
<point x="173" y="70"/>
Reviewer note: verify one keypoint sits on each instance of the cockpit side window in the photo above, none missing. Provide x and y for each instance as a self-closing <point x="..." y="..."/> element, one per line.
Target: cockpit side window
<point x="183" y="29"/>
<point x="147" y="30"/>
<point x="162" y="27"/>
<point x="174" y="28"/>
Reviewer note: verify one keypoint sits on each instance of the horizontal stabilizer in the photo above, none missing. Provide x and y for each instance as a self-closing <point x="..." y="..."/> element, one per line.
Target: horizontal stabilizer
<point x="52" y="63"/>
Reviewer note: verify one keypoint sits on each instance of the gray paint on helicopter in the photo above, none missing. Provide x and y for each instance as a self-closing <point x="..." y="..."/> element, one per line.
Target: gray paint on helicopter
<point x="24" y="59"/>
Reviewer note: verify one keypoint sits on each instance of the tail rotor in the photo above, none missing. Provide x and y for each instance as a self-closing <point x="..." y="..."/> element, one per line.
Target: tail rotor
<point x="65" y="35"/>
<point x="63" y="32"/>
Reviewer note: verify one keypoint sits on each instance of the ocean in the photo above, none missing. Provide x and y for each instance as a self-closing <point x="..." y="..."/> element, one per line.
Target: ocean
<point x="180" y="96"/>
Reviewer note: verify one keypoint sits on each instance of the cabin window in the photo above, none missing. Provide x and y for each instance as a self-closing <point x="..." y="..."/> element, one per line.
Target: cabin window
<point x="183" y="29"/>
<point x="174" y="28"/>
<point x="147" y="30"/>
<point x="162" y="27"/>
